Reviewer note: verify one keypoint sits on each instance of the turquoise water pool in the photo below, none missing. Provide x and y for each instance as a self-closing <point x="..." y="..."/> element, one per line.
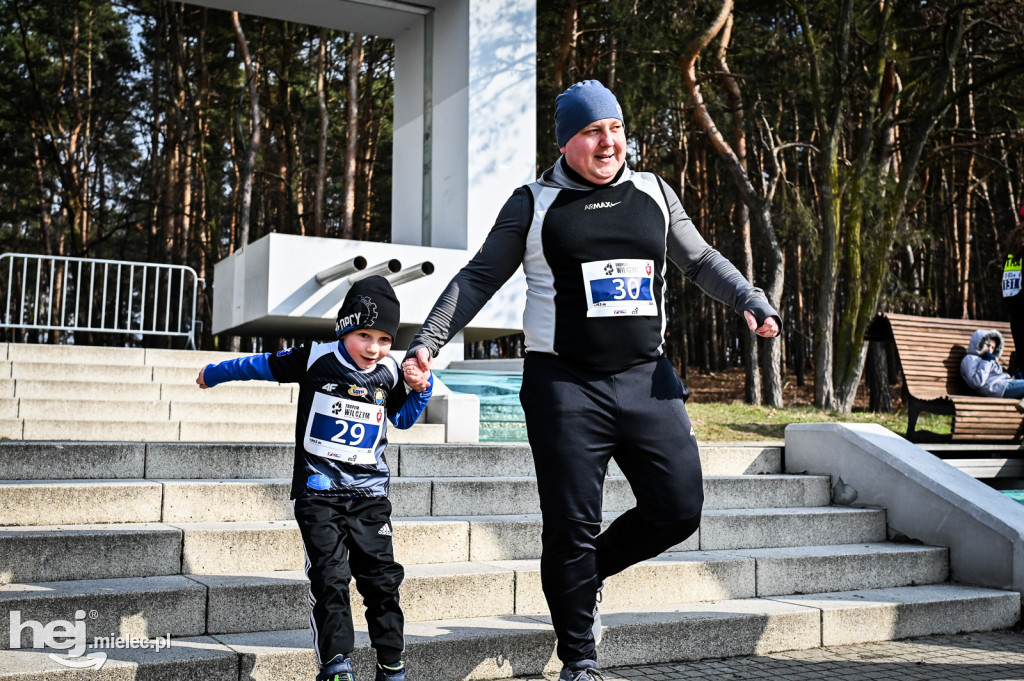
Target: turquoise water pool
<point x="1015" y="494"/>
<point x="501" y="416"/>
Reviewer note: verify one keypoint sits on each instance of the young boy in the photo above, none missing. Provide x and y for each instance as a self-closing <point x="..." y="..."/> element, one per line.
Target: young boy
<point x="341" y="478"/>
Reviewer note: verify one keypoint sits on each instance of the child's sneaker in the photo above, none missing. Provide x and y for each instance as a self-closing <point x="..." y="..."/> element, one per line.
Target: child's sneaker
<point x="386" y="672"/>
<point x="338" y="669"/>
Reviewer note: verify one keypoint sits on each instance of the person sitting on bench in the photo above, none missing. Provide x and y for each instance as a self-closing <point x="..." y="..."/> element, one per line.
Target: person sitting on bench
<point x="981" y="369"/>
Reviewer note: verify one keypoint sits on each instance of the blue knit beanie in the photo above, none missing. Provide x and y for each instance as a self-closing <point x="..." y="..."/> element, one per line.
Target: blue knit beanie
<point x="581" y="105"/>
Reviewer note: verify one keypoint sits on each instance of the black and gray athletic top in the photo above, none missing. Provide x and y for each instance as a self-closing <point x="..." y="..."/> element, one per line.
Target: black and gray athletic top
<point x="594" y="258"/>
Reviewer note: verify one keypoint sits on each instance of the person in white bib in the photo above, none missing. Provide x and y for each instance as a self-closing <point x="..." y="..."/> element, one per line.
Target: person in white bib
<point x="594" y="239"/>
<point x="348" y="391"/>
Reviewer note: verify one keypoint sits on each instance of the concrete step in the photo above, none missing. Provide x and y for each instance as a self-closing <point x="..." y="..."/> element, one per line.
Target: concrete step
<point x="49" y="502"/>
<point x="12" y="429"/>
<point x="46" y="502"/>
<point x="38" y="460"/>
<point x="789" y="527"/>
<point x="52" y="460"/>
<point x="232" y="431"/>
<point x="497" y="648"/>
<point x="127" y="411"/>
<point x="140" y="607"/>
<point x="518" y="495"/>
<point x="177" y="375"/>
<point x="279" y="600"/>
<point x="236" y="603"/>
<point x="84" y="390"/>
<point x="230" y="393"/>
<point x="481" y="648"/>
<point x="240" y="392"/>
<point x="219" y="548"/>
<point x="700" y="576"/>
<point x="241" y="413"/>
<point x="29" y="353"/>
<point x="68" y="431"/>
<point x="193" y="659"/>
<point x="205" y="460"/>
<point x="100" y="430"/>
<point x="21" y="460"/>
<point x="423" y="460"/>
<point x="803" y="569"/>
<point x="268" y="546"/>
<point x="195" y="501"/>
<point x="101" y="373"/>
<point x="63" y="552"/>
<point x="190" y="359"/>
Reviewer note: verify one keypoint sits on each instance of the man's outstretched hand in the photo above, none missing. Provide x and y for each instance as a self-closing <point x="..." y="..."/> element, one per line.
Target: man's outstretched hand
<point x="769" y="329"/>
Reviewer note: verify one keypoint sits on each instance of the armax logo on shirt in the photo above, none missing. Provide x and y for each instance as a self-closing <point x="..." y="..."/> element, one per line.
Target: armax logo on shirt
<point x="601" y="204"/>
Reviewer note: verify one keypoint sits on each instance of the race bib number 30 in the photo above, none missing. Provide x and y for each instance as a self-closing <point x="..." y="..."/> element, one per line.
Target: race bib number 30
<point x="620" y="287"/>
<point x="344" y="429"/>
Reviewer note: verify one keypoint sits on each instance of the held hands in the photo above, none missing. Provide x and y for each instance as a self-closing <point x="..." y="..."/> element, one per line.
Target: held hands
<point x="769" y="329"/>
<point x="416" y="370"/>
<point x="199" y="379"/>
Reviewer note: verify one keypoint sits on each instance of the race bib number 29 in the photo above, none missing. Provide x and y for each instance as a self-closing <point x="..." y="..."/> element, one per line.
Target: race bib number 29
<point x="620" y="287"/>
<point x="344" y="429"/>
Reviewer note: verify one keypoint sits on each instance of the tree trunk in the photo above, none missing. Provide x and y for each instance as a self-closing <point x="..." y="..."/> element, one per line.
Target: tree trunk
<point x="248" y="169"/>
<point x="321" y="140"/>
<point x="828" y="110"/>
<point x="880" y="398"/>
<point x="758" y="206"/>
<point x="354" y="66"/>
<point x="568" y="43"/>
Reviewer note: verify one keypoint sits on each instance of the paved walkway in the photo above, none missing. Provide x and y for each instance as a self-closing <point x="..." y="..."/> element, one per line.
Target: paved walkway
<point x="994" y="656"/>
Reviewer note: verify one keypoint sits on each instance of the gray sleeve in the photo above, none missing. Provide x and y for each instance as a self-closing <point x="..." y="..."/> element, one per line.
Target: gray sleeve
<point x="706" y="267"/>
<point x="475" y="284"/>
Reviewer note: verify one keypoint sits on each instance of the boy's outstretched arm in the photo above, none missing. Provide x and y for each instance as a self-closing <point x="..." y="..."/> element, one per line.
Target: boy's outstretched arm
<point x="253" y="367"/>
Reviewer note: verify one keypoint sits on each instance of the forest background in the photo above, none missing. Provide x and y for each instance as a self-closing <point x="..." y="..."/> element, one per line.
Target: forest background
<point x="849" y="156"/>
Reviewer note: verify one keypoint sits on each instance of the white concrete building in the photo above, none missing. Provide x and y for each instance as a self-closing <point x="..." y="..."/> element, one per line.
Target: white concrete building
<point x="465" y="137"/>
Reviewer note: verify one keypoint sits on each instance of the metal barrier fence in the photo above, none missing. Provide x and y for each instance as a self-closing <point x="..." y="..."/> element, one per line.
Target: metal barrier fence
<point x="58" y="293"/>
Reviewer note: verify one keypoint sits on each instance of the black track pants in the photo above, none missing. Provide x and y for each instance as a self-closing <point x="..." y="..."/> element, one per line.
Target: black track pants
<point x="343" y="539"/>
<point x="577" y="421"/>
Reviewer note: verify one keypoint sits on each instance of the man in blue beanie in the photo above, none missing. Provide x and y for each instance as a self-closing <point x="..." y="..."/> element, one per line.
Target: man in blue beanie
<point x="594" y="239"/>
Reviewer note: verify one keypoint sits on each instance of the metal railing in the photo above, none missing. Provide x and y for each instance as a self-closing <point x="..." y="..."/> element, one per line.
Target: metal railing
<point x="59" y="293"/>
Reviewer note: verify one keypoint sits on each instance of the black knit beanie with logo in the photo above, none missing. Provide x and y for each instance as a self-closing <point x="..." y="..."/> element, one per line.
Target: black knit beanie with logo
<point x="370" y="304"/>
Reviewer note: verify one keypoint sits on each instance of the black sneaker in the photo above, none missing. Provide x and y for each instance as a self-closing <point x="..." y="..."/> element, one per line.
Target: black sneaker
<point x="584" y="670"/>
<point x="388" y="672"/>
<point x="338" y="669"/>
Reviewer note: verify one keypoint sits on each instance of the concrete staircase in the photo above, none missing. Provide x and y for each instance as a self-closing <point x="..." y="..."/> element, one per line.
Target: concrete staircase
<point x="60" y="392"/>
<point x="195" y="542"/>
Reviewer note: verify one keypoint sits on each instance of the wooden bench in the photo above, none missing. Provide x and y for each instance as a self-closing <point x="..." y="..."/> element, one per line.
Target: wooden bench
<point x="929" y="351"/>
